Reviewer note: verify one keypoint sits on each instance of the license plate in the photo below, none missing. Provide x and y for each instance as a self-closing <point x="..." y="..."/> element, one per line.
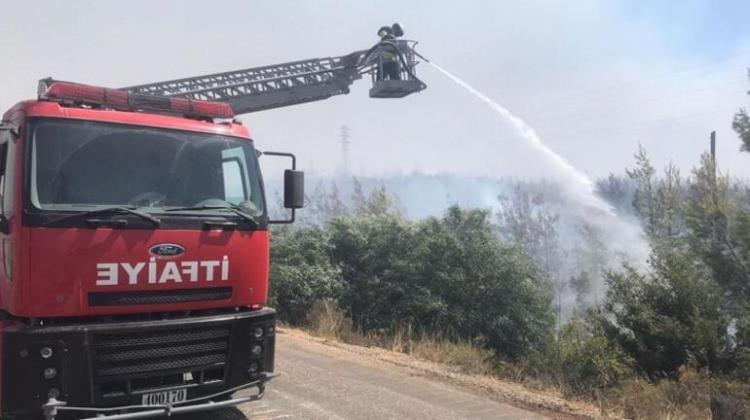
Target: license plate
<point x="165" y="397"/>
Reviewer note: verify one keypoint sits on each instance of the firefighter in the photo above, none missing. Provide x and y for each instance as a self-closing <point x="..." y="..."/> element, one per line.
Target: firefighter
<point x="389" y="67"/>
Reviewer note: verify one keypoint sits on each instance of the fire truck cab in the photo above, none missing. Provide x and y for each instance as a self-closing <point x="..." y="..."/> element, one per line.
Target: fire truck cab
<point x="134" y="260"/>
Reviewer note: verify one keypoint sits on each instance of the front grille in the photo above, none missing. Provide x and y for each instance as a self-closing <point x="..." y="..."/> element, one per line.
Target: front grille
<point x="151" y="297"/>
<point x="132" y="362"/>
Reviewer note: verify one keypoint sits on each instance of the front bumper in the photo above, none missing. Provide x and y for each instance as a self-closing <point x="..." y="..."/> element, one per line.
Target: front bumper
<point x="110" y="365"/>
<point x="54" y="407"/>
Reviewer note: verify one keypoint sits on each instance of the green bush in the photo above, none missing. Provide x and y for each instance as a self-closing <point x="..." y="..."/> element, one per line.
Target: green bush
<point x="666" y="319"/>
<point x="373" y="252"/>
<point x="589" y="361"/>
<point x="579" y="360"/>
<point x="448" y="277"/>
<point x="301" y="272"/>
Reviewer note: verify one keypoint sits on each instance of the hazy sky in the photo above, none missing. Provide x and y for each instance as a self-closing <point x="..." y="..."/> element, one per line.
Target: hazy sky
<point x="594" y="78"/>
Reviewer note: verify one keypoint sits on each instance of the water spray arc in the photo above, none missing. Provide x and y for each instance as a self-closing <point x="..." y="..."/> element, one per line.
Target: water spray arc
<point x="626" y="236"/>
<point x="585" y="192"/>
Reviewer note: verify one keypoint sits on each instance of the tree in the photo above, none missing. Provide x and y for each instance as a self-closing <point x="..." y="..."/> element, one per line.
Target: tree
<point x="372" y="248"/>
<point x="527" y="221"/>
<point x="323" y="205"/>
<point x="492" y="292"/>
<point x="301" y="272"/>
<point x="379" y="203"/>
<point x="592" y="259"/>
<point x="317" y="209"/>
<point x="358" y="195"/>
<point x="659" y="203"/>
<point x="710" y="215"/>
<point x="336" y="207"/>
<point x="618" y="191"/>
<point x="741" y="125"/>
<point x="667" y="318"/>
<point x="643" y="198"/>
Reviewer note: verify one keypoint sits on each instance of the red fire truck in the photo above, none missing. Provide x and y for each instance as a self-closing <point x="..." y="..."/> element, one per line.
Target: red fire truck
<point x="134" y="238"/>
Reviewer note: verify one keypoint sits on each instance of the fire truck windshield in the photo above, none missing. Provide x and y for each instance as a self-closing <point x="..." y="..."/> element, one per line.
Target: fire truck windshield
<point x="79" y="165"/>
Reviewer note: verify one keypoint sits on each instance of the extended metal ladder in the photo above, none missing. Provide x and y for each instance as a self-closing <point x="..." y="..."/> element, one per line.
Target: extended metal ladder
<point x="279" y="85"/>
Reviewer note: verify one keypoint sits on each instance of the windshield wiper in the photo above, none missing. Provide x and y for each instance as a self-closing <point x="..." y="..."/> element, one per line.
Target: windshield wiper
<point x="109" y="210"/>
<point x="231" y="207"/>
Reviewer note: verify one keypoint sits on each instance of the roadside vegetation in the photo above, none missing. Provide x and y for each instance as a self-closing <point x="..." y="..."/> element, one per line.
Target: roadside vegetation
<point x="483" y="290"/>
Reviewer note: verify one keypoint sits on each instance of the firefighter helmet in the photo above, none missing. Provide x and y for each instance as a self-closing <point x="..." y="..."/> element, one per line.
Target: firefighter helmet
<point x="385" y="32"/>
<point x="397" y="30"/>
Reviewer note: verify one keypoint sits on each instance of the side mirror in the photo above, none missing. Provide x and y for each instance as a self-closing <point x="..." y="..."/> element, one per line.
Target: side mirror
<point x="294" y="187"/>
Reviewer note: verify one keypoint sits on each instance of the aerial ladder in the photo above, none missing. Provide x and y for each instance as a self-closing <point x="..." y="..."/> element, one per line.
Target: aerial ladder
<point x="279" y="85"/>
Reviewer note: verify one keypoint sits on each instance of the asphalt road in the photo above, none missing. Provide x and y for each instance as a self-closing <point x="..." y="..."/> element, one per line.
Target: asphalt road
<point x="323" y="382"/>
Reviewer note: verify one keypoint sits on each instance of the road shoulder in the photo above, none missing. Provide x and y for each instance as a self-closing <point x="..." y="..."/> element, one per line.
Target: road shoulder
<point x="545" y="403"/>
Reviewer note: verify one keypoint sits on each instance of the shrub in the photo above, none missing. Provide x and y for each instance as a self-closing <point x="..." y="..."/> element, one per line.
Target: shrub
<point x="449" y="277"/>
<point x="489" y="292"/>
<point x="373" y="252"/>
<point x="589" y="362"/>
<point x="668" y="318"/>
<point x="578" y="360"/>
<point x="301" y="272"/>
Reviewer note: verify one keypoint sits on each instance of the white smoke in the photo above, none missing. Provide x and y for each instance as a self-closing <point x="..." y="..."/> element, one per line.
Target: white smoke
<point x="626" y="240"/>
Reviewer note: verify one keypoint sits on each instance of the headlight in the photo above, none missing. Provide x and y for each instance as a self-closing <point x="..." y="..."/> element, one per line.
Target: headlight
<point x="253" y="368"/>
<point x="45" y="352"/>
<point x="256" y="350"/>
<point x="50" y="373"/>
<point x="258" y="333"/>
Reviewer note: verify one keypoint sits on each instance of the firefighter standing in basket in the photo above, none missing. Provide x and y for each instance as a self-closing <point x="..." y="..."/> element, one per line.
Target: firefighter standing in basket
<point x="389" y="66"/>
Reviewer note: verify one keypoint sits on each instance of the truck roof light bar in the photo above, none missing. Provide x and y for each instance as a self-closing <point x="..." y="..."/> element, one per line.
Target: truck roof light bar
<point x="50" y="89"/>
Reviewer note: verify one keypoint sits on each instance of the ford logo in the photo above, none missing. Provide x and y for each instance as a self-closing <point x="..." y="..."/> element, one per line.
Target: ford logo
<point x="166" y="250"/>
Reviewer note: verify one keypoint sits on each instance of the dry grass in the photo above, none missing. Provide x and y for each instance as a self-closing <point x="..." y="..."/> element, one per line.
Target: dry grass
<point x="640" y="399"/>
<point x="690" y="397"/>
<point x="327" y="321"/>
<point x="468" y="357"/>
<point x="693" y="396"/>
